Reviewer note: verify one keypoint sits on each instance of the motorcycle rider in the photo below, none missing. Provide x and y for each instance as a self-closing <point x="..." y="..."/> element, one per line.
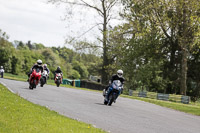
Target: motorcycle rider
<point x="46" y="68"/>
<point x="58" y="70"/>
<point x="36" y="66"/>
<point x="1" y="71"/>
<point x="118" y="76"/>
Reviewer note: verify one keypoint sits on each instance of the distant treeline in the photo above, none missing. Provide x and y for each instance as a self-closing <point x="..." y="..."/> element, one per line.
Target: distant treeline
<point x="18" y="57"/>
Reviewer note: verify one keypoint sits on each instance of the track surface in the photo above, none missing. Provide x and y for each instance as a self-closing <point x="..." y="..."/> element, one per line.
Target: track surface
<point x="125" y="116"/>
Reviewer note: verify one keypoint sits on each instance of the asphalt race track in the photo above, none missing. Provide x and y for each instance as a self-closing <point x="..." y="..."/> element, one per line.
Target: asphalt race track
<point x="124" y="116"/>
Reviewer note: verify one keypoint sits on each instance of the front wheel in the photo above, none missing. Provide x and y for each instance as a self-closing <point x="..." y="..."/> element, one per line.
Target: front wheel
<point x="42" y="82"/>
<point x="34" y="83"/>
<point x="105" y="102"/>
<point x="58" y="83"/>
<point x="31" y="87"/>
<point x="31" y="82"/>
<point x="110" y="99"/>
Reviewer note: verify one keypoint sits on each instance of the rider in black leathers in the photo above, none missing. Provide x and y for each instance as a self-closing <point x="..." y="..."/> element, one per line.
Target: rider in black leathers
<point x="36" y="66"/>
<point x="48" y="71"/>
<point x="58" y="70"/>
<point x="46" y="68"/>
<point x="118" y="76"/>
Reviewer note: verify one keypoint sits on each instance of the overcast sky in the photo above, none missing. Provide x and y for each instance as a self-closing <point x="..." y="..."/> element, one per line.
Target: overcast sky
<point x="37" y="21"/>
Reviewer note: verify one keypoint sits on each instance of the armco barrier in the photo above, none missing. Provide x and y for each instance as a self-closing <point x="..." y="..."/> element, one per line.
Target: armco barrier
<point x="142" y="94"/>
<point x="185" y="99"/>
<point x="161" y="96"/>
<point x="130" y="92"/>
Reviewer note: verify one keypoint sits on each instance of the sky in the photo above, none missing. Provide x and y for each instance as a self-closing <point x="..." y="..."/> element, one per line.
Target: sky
<point x="39" y="22"/>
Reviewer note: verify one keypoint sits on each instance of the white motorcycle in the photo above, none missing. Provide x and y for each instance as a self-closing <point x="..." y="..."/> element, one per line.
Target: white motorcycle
<point x="43" y="79"/>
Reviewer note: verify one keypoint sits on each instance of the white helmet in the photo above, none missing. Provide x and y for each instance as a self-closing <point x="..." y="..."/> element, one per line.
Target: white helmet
<point x="119" y="73"/>
<point x="1" y="67"/>
<point x="45" y="65"/>
<point x="39" y="62"/>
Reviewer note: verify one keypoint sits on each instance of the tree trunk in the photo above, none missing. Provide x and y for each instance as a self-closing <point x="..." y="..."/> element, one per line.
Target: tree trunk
<point x="183" y="71"/>
<point x="184" y="42"/>
<point x="104" y="76"/>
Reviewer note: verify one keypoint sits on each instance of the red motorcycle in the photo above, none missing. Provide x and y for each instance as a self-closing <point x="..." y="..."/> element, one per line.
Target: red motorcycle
<point x="58" y="79"/>
<point x="34" y="78"/>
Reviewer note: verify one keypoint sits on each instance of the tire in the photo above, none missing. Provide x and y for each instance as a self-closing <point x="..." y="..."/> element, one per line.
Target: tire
<point x="31" y="87"/>
<point x="30" y="84"/>
<point x="110" y="99"/>
<point x="41" y="82"/>
<point x="105" y="102"/>
<point x="34" y="84"/>
<point x="58" y="83"/>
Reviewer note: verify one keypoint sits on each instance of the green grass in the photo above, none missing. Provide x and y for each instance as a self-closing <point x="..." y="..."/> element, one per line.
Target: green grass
<point x="19" y="115"/>
<point x="15" y="77"/>
<point x="192" y="108"/>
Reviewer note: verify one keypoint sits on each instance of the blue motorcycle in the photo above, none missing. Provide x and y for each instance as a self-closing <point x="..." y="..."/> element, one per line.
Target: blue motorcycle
<point x="113" y="92"/>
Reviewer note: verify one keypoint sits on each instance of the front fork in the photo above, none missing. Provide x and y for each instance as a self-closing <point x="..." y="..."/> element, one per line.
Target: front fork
<point x="108" y="92"/>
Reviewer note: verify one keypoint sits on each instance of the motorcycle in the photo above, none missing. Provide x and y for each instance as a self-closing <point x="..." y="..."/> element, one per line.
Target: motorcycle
<point x="58" y="79"/>
<point x="43" y="79"/>
<point x="34" y="78"/>
<point x="113" y="92"/>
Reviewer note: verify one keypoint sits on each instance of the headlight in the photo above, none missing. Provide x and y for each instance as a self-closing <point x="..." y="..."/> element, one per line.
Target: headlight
<point x="114" y="86"/>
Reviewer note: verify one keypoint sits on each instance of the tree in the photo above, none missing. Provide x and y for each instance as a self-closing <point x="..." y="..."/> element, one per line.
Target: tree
<point x="104" y="8"/>
<point x="79" y="67"/>
<point x="176" y="20"/>
<point x="6" y="51"/>
<point x="39" y="46"/>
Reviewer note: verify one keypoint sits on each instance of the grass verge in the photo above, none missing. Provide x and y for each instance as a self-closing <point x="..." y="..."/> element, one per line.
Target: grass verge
<point x="19" y="115"/>
<point x="192" y="108"/>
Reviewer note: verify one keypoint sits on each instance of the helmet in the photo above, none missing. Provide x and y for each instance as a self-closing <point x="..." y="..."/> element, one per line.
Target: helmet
<point x="119" y="73"/>
<point x="39" y="62"/>
<point x="45" y="65"/>
<point x="1" y="67"/>
<point x="58" y="68"/>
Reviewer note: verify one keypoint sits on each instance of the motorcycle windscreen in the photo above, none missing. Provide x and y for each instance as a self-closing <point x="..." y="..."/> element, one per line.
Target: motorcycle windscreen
<point x="116" y="84"/>
<point x="37" y="70"/>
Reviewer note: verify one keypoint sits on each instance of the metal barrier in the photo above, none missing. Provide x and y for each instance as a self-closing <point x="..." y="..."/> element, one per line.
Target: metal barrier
<point x="142" y="94"/>
<point x="185" y="99"/>
<point x="161" y="96"/>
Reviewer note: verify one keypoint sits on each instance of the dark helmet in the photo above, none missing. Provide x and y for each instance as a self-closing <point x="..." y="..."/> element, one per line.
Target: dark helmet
<point x="39" y="62"/>
<point x="58" y="68"/>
